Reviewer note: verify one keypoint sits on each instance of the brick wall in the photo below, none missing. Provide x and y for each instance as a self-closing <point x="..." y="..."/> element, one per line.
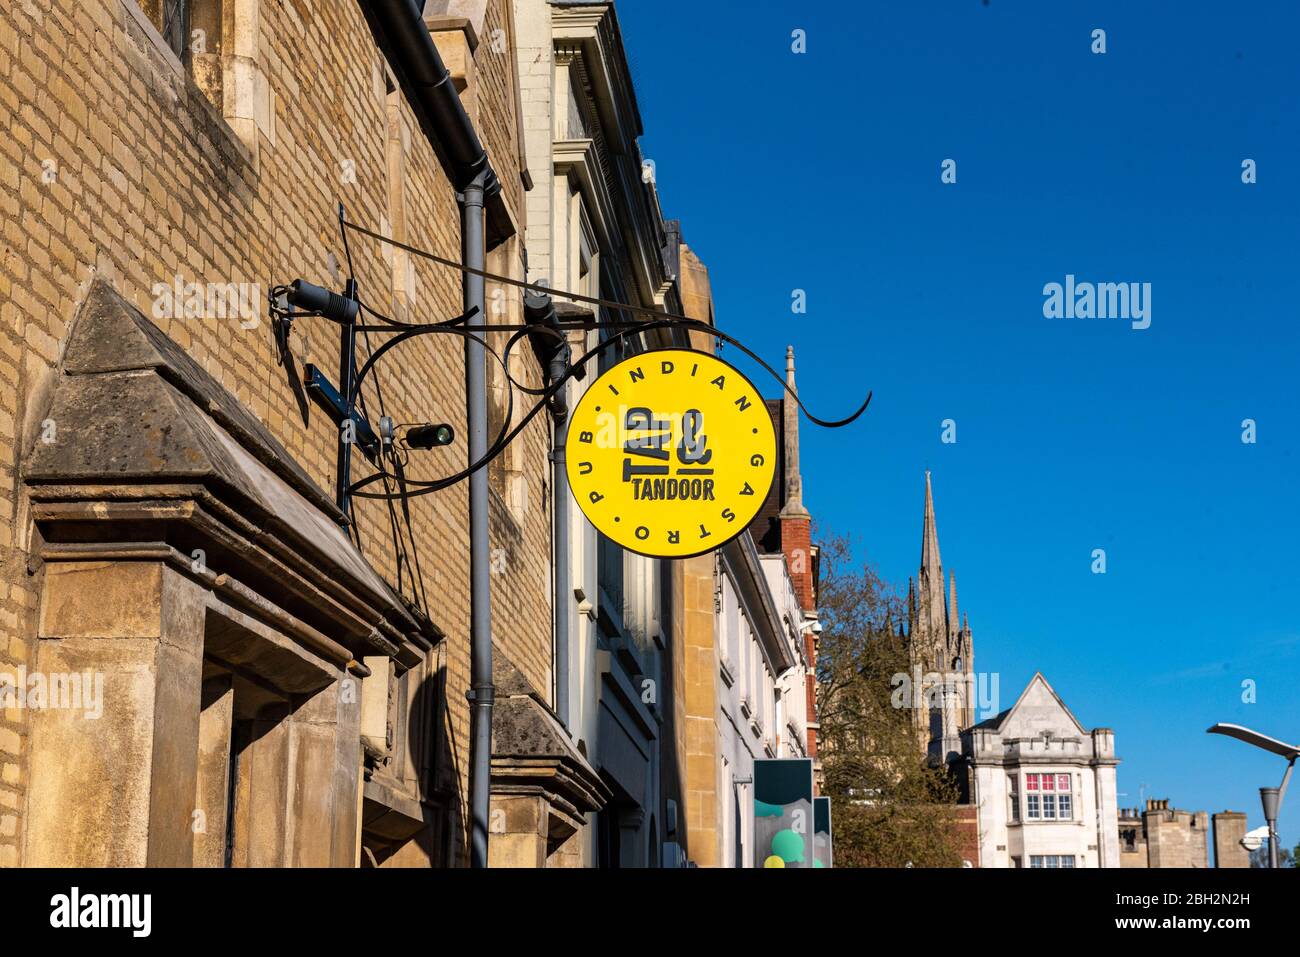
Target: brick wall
<point x="115" y="165"/>
<point x="965" y="819"/>
<point x="796" y="543"/>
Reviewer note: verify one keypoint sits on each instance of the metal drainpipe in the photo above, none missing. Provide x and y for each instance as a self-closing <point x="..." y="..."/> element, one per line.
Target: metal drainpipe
<point x="482" y="692"/>
<point x="563" y="571"/>
<point x="400" y="31"/>
<point x="539" y="310"/>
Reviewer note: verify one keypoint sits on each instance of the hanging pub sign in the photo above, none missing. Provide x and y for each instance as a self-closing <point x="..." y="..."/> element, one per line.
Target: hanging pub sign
<point x="783" y="812"/>
<point x="822" y="853"/>
<point x="671" y="453"/>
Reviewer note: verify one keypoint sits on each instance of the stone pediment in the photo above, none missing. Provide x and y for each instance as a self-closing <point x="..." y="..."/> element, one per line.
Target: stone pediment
<point x="151" y="452"/>
<point x="1040" y="710"/>
<point x="111" y="335"/>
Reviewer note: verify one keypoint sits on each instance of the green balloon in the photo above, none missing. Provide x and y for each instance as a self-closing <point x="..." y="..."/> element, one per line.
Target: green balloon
<point x="788" y="845"/>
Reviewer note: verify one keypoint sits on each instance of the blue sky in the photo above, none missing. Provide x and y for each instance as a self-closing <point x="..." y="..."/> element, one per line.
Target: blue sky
<point x="821" y="172"/>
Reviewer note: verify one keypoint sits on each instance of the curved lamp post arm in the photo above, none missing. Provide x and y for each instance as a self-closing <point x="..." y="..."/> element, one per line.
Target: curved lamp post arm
<point x="1271" y="798"/>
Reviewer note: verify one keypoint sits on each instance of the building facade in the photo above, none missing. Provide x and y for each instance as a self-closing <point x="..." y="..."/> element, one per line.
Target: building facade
<point x="252" y="667"/>
<point x="1035" y="788"/>
<point x="672" y="676"/>
<point x="1043" y="786"/>
<point x="1229" y="832"/>
<point x="595" y="228"/>
<point x="248" y="673"/>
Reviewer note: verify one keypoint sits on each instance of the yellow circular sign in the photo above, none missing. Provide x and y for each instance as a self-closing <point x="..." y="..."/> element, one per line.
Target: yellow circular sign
<point x="671" y="453"/>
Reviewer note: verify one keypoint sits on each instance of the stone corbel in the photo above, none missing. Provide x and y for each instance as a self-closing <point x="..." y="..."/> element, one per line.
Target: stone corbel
<point x="456" y="26"/>
<point x="467" y="15"/>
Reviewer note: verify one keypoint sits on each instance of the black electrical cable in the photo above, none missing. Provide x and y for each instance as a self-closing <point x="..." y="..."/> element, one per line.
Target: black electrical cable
<point x="413" y="556"/>
<point x="399" y="545"/>
<point x="660" y="320"/>
<point x="402" y="556"/>
<point x="520" y="283"/>
<point x="458" y="325"/>
<point x="398" y="337"/>
<point x="400" y="471"/>
<point x="503" y="438"/>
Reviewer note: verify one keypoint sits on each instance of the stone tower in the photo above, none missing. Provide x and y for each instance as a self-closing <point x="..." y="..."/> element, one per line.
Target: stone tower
<point x="941" y="649"/>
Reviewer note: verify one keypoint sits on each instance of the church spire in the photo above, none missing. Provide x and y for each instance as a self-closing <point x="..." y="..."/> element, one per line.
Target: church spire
<point x="793" y="506"/>
<point x="932" y="610"/>
<point x="940" y="643"/>
<point x="930" y="535"/>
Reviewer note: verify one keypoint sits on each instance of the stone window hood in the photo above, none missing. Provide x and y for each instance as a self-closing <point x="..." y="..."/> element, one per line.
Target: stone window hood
<point x="542" y="786"/>
<point x="179" y="547"/>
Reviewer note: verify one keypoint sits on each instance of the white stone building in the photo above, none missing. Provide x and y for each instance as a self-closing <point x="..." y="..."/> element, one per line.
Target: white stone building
<point x="595" y="228"/>
<point x="1044" y="786"/>
<point x="761" y="683"/>
<point x="792" y="713"/>
<point x="671" y="677"/>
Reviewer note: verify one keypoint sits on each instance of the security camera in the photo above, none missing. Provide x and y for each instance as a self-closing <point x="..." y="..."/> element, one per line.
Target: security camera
<point x="430" y="436"/>
<point x="331" y="305"/>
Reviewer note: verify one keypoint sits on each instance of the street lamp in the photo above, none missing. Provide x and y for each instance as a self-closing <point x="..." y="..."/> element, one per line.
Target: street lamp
<point x="1271" y="798"/>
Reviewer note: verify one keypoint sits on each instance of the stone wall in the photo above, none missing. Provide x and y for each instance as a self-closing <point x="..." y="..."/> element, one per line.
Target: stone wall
<point x="116" y="166"/>
<point x="1175" y="838"/>
<point x="699" y="737"/>
<point x="1164" y="836"/>
<point x="1229" y="829"/>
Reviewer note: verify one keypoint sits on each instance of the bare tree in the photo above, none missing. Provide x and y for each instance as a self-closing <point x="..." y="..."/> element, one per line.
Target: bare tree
<point x="890" y="808"/>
